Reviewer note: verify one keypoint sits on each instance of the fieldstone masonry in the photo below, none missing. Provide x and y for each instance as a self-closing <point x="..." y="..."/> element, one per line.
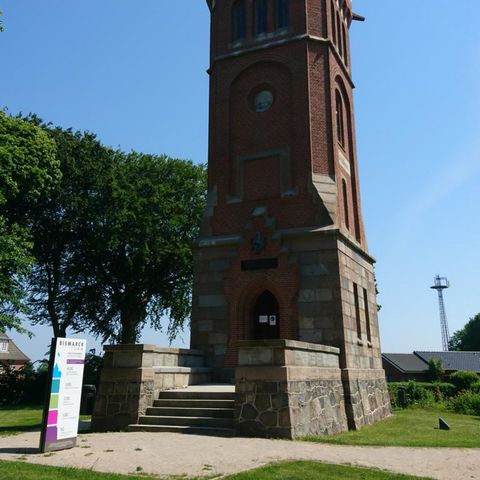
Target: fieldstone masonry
<point x="132" y="377"/>
<point x="288" y="389"/>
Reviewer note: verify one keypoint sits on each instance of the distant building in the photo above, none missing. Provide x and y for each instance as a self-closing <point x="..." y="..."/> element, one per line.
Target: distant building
<point x="401" y="367"/>
<point x="10" y="354"/>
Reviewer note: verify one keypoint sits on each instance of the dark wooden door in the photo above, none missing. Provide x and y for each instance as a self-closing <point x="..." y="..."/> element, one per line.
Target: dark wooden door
<point x="266" y="319"/>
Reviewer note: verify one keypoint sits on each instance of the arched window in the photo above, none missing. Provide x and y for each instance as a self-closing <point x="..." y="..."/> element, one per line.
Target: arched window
<point x="238" y="21"/>
<point x="345" y="49"/>
<point x="261" y="15"/>
<point x="339" y="117"/>
<point x="345" y="203"/>
<point x="281" y="14"/>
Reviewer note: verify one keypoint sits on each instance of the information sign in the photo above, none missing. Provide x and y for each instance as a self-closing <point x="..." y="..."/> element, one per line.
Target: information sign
<point x="61" y="411"/>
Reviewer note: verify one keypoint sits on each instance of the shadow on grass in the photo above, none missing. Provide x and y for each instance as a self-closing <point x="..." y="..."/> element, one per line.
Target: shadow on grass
<point x="20" y="429"/>
<point x="20" y="450"/>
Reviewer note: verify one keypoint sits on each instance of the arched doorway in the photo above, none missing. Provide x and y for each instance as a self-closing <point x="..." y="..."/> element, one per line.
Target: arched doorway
<point x="266" y="318"/>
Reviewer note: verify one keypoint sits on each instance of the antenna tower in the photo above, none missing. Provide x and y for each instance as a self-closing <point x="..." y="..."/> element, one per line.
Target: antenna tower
<point x="440" y="284"/>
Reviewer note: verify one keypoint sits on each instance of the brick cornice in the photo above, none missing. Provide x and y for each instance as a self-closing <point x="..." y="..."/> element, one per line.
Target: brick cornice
<point x="280" y="42"/>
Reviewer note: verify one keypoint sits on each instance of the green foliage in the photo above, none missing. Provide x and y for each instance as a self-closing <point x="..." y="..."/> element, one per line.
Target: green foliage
<point x="475" y="388"/>
<point x="153" y="209"/>
<point x="466" y="402"/>
<point x="463" y="380"/>
<point x="468" y="338"/>
<point x="64" y="231"/>
<point x="420" y="393"/>
<point x="92" y="370"/>
<point x="24" y="386"/>
<point x="113" y="241"/>
<point x="435" y="369"/>
<point x="28" y="169"/>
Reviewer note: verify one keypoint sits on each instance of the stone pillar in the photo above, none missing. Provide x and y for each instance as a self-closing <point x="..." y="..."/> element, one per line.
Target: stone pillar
<point x="288" y="389"/>
<point x="366" y="396"/>
<point x="133" y="375"/>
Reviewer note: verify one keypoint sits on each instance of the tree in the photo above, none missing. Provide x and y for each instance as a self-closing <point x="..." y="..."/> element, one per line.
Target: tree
<point x="144" y="268"/>
<point x="468" y="338"/>
<point x="113" y="241"/>
<point x="435" y="369"/>
<point x="28" y="169"/>
<point x="64" y="230"/>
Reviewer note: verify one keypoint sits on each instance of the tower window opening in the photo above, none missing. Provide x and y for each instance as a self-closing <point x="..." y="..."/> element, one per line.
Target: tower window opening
<point x="345" y="204"/>
<point x="345" y="49"/>
<point x="367" y="315"/>
<point x="261" y="16"/>
<point x="334" y="26"/>
<point x="281" y="14"/>
<point x="339" y="117"/>
<point x="339" y="34"/>
<point x="238" y="21"/>
<point x="357" y="311"/>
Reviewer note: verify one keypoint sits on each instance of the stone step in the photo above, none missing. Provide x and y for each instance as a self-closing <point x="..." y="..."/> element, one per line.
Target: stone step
<point x="186" y="394"/>
<point x="214" y="431"/>
<point x="176" y="411"/>
<point x="186" y="421"/>
<point x="193" y="403"/>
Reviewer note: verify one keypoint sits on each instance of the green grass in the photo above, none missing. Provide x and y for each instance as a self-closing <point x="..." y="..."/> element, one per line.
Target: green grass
<point x="309" y="470"/>
<point x="301" y="470"/>
<point x="413" y="428"/>
<point x="14" y="420"/>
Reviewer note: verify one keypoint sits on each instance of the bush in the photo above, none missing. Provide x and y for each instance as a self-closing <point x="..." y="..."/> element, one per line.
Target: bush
<point x="466" y="402"/>
<point x="23" y="386"/>
<point x="475" y="388"/>
<point x="439" y="391"/>
<point x="463" y="380"/>
<point x="435" y="369"/>
<point x="92" y="370"/>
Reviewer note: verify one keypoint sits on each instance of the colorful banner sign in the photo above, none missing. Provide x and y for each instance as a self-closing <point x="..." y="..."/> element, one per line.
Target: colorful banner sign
<point x="61" y="411"/>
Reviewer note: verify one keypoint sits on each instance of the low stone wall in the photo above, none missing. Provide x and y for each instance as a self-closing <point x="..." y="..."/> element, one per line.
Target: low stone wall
<point x="366" y="396"/>
<point x="132" y="377"/>
<point x="288" y="389"/>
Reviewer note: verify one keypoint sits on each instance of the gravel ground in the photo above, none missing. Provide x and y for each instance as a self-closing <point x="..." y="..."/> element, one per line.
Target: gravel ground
<point x="177" y="454"/>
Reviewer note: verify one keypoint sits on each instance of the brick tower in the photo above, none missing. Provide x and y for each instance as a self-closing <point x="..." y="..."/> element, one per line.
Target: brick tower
<point x="282" y="251"/>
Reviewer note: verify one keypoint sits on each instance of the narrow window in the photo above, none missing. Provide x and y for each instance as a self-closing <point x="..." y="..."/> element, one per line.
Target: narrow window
<point x="261" y="17"/>
<point x="345" y="50"/>
<point x="334" y="27"/>
<point x="281" y="14"/>
<point x="357" y="311"/>
<point x="339" y="34"/>
<point x="367" y="315"/>
<point x="238" y="20"/>
<point x="345" y="203"/>
<point x="339" y="116"/>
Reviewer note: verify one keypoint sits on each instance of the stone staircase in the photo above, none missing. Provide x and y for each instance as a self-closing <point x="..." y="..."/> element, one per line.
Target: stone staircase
<point x="208" y="412"/>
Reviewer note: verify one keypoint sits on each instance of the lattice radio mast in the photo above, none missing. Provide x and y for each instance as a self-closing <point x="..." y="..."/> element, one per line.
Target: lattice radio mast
<point x="441" y="283"/>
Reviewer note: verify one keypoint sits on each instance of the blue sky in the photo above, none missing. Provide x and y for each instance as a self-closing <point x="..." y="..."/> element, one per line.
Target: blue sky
<point x="134" y="72"/>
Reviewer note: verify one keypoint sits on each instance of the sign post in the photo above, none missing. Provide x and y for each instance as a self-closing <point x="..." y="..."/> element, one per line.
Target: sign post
<point x="61" y="411"/>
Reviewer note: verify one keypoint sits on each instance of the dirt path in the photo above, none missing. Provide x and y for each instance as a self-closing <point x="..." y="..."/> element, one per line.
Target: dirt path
<point x="176" y="454"/>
